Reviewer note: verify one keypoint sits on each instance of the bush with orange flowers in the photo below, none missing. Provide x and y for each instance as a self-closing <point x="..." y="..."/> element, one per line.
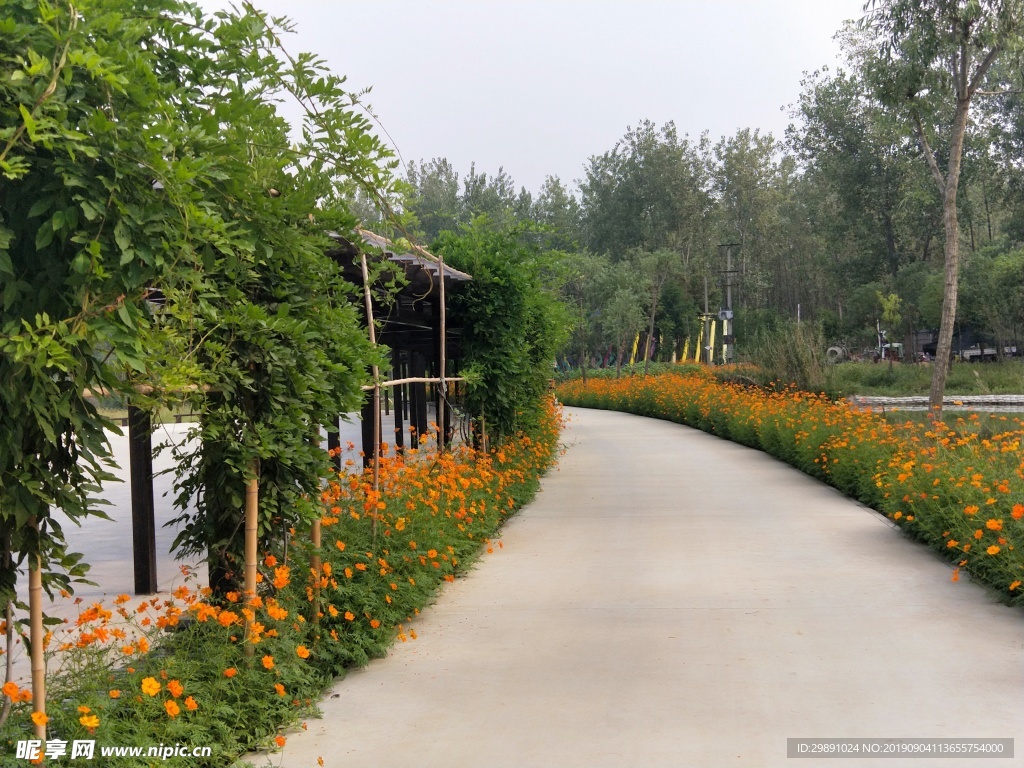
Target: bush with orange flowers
<point x="175" y="668"/>
<point x="952" y="484"/>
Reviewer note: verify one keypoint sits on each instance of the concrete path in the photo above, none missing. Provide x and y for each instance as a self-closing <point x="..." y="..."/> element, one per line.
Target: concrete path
<point x="672" y="599"/>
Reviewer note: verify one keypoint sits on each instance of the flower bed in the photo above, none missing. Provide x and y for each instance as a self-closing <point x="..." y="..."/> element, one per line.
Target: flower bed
<point x="176" y="670"/>
<point x="958" y="488"/>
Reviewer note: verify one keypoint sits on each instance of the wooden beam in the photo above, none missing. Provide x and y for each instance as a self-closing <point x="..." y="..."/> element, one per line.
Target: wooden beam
<point x="140" y="462"/>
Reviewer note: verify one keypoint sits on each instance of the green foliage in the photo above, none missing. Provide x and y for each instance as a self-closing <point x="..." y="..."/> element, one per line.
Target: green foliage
<point x="790" y="356"/>
<point x="83" y="233"/>
<point x="144" y="158"/>
<point x="513" y="323"/>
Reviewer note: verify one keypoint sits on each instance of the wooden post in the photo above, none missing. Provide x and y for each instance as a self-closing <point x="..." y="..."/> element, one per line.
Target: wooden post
<point x="140" y="462"/>
<point x="418" y="394"/>
<point x="396" y="364"/>
<point x="442" y="392"/>
<point x="376" y="385"/>
<point x="37" y="634"/>
<point x="252" y="497"/>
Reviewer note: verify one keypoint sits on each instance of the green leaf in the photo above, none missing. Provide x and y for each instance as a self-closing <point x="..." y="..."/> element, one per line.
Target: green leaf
<point x="30" y="123"/>
<point x="40" y="206"/>
<point x="122" y="236"/>
<point x="44" y="235"/>
<point x="125" y="315"/>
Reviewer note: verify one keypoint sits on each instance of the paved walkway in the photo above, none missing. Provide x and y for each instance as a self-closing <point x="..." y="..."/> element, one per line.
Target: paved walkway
<point x="672" y="599"/>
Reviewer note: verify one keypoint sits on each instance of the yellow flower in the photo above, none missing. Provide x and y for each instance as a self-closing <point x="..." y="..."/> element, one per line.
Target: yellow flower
<point x="150" y="686"/>
<point x="89" y="721"/>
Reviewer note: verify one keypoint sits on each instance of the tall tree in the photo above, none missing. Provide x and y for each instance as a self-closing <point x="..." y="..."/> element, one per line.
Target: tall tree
<point x="936" y="57"/>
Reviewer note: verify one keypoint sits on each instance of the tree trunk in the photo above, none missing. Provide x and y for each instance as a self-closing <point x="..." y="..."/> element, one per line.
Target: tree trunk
<point x="650" y="330"/>
<point x="951" y="225"/>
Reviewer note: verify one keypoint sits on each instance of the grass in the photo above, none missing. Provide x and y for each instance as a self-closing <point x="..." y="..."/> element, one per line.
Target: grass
<point x="903" y="380"/>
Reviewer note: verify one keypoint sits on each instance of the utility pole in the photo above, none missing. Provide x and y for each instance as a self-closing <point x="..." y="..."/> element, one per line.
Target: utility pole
<point x="726" y="315"/>
<point x="708" y="351"/>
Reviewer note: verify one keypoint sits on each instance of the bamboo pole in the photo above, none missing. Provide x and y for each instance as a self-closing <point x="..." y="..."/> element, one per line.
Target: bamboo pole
<point x="410" y="380"/>
<point x="252" y="498"/>
<point x="442" y="354"/>
<point x="37" y="634"/>
<point x="376" y="386"/>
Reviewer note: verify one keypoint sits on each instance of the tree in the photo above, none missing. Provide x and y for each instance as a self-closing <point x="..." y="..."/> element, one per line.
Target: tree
<point x="144" y="158"/>
<point x="513" y="322"/>
<point x="435" y="199"/>
<point x="657" y="268"/>
<point x="650" y="191"/>
<point x="891" y="316"/>
<point x="936" y="56"/>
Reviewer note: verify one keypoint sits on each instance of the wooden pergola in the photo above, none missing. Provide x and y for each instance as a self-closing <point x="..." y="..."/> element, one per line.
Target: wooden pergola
<point x="410" y="324"/>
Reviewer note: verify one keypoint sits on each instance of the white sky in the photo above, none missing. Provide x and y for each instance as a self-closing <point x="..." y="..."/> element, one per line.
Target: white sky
<point x="538" y="86"/>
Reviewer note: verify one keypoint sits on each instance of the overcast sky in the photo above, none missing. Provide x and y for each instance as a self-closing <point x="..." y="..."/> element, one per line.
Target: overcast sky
<point x="538" y="86"/>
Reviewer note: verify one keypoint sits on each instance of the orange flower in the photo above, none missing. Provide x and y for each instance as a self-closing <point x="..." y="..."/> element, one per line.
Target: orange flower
<point x="1018" y="511"/>
<point x="40" y="718"/>
<point x="302" y="652"/>
<point x="279" y="688"/>
<point x="375" y="623"/>
<point x="115" y="694"/>
<point x="175" y="688"/>
<point x="349" y="616"/>
<point x="190" y="704"/>
<point x="230" y="672"/>
<point x="268" y="662"/>
<point x="10" y="690"/>
<point x="150" y="686"/>
<point x="270" y="561"/>
<point x="994" y="549"/>
<point x="994" y="525"/>
<point x="970" y="510"/>
<point x="1014" y="585"/>
<point x="956" y="575"/>
<point x="979" y="533"/>
<point x="89" y="721"/>
<point x="173" y="710"/>
<point x="280" y="740"/>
